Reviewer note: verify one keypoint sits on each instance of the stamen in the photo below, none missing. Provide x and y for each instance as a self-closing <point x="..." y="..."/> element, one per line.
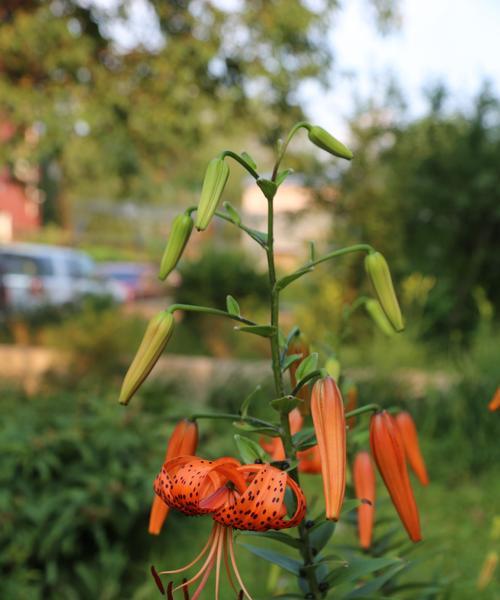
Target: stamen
<point x="226" y="560"/>
<point x="217" y="567"/>
<point x="198" y="558"/>
<point x="157" y="579"/>
<point x="235" y="567"/>
<point x="206" y="564"/>
<point x="203" y="582"/>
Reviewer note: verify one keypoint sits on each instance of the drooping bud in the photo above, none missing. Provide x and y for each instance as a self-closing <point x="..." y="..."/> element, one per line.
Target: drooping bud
<point x="378" y="316"/>
<point x="380" y="276"/>
<point x="351" y="404"/>
<point x="333" y="367"/>
<point x="388" y="452"/>
<point x="327" y="410"/>
<point x="155" y="339"/>
<point x="495" y="401"/>
<point x="364" y="487"/>
<point x="324" y="140"/>
<point x="183" y="441"/>
<point x="409" y="435"/>
<point x="213" y="185"/>
<point x="182" y="226"/>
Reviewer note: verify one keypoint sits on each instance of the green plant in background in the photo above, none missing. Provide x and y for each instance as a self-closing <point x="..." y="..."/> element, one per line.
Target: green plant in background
<point x="308" y="431"/>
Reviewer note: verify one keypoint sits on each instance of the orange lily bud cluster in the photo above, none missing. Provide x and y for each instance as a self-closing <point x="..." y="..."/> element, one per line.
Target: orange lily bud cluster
<point x="327" y="409"/>
<point x="183" y="441"/>
<point x="389" y="454"/>
<point x="364" y="488"/>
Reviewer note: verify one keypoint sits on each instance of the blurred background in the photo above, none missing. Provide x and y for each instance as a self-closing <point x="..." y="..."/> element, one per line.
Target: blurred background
<point x="109" y="112"/>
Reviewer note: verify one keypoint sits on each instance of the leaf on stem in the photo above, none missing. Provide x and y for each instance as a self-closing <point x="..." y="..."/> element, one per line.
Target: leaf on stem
<point x="289" y="360"/>
<point x="307" y="366"/>
<point x="262" y="330"/>
<point x="232" y="212"/>
<point x="282" y="283"/>
<point x="246" y="402"/>
<point x="249" y="160"/>
<point x="245" y="426"/>
<point x="268" y="187"/>
<point x="233" y="308"/>
<point x="282" y="175"/>
<point x="249" y="450"/>
<point x="277" y="536"/>
<point x="285" y="404"/>
<point x="285" y="562"/>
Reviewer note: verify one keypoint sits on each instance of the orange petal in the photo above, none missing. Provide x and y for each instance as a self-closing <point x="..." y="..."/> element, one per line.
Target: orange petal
<point x="388" y="452"/>
<point x="495" y="401"/>
<point x="327" y="409"/>
<point x="364" y="487"/>
<point x="409" y="435"/>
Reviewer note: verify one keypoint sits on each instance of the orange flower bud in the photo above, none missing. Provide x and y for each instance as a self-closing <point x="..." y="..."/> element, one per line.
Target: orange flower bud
<point x="495" y="401"/>
<point x="327" y="409"/>
<point x="412" y="448"/>
<point x="364" y="487"/>
<point x="183" y="441"/>
<point x="351" y="404"/>
<point x="388" y="452"/>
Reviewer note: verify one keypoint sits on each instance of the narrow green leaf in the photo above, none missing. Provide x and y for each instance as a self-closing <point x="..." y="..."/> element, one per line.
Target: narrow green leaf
<point x="285" y="404"/>
<point x="232" y="212"/>
<point x="320" y="534"/>
<point x="262" y="330"/>
<point x="249" y="450"/>
<point x="282" y="175"/>
<point x="312" y="251"/>
<point x="244" y="426"/>
<point x="277" y="536"/>
<point x="308" y="365"/>
<point x="247" y="401"/>
<point x="289" y="360"/>
<point x="268" y="187"/>
<point x="288" y="564"/>
<point x="360" y="567"/>
<point x="248" y="159"/>
<point x="233" y="308"/>
<point x="305" y="438"/>
<point x="373" y="585"/>
<point x="282" y="283"/>
<point x="258" y="235"/>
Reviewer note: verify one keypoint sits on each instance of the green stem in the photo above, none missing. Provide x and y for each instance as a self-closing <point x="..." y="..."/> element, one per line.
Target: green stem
<point x="363" y="409"/>
<point x="308" y="377"/>
<point x="286" y="435"/>
<point x="340" y="252"/>
<point x="293" y="131"/>
<point x="210" y="311"/>
<point x="242" y="162"/>
<point x="235" y="417"/>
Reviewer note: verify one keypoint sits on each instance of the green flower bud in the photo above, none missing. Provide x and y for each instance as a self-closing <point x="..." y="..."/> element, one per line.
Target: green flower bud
<point x="321" y="138"/>
<point x="155" y="339"/>
<point x="333" y="368"/>
<point x="380" y="276"/>
<point x="182" y="226"/>
<point x="375" y="311"/>
<point x="213" y="185"/>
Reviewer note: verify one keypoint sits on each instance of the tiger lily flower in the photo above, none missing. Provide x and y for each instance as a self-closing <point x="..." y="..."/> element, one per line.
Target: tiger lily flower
<point x="183" y="441"/>
<point x="409" y="436"/>
<point x="388" y="452"/>
<point x="248" y="497"/>
<point x="364" y="488"/>
<point x="495" y="401"/>
<point x="327" y="409"/>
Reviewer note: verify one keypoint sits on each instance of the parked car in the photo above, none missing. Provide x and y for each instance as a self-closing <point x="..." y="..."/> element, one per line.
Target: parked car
<point x="34" y="275"/>
<point x="139" y="279"/>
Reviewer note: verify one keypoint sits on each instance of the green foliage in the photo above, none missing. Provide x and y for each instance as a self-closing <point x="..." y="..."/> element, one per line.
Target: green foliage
<point x="75" y="484"/>
<point x="217" y="272"/>
<point x="426" y="193"/>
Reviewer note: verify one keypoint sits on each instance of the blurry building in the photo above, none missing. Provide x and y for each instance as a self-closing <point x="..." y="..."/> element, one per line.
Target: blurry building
<point x="298" y="218"/>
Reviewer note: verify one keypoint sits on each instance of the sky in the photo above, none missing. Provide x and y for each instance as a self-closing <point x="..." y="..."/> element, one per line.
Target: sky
<point x="454" y="41"/>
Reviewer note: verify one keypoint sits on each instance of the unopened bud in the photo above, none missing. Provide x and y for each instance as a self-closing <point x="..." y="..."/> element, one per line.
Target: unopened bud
<point x="380" y="276"/>
<point x="375" y="311"/>
<point x="321" y="138"/>
<point x="333" y="368"/>
<point x="155" y="339"/>
<point x="182" y="226"/>
<point x="213" y="185"/>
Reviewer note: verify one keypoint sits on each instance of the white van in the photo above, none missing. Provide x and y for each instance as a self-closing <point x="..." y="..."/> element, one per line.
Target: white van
<point x="34" y="275"/>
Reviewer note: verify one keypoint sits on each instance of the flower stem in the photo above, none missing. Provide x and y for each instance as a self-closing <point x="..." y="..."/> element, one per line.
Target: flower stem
<point x="286" y="435"/>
